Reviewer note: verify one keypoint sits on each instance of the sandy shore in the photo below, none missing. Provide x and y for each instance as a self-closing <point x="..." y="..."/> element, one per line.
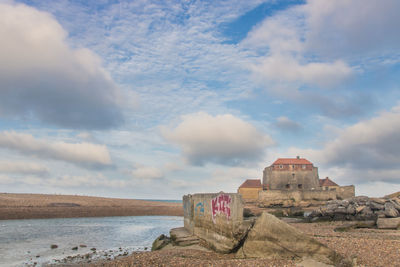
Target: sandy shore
<point x="366" y="247"/>
<point x="40" y="206"/>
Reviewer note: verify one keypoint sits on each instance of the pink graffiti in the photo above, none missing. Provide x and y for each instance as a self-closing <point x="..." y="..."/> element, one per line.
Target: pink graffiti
<point x="221" y="205"/>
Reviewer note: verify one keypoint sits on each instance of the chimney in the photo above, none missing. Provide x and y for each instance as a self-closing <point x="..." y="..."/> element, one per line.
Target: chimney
<point x="298" y="157"/>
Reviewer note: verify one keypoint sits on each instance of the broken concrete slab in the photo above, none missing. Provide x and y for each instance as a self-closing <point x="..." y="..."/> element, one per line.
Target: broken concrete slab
<point x="388" y="223"/>
<point x="275" y="239"/>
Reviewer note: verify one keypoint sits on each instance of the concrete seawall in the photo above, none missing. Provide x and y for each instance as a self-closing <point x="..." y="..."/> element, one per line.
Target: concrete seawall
<point x="216" y="218"/>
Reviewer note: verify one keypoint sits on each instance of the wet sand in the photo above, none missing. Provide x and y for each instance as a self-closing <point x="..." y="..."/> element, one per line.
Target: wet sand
<point x="42" y="206"/>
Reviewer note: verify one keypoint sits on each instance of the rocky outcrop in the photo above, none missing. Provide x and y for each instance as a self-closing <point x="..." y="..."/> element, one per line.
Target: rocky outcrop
<point x="273" y="238"/>
<point x="358" y="209"/>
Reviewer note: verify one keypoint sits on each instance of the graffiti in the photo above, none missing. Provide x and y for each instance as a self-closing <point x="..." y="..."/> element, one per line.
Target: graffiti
<point x="199" y="209"/>
<point x="221" y="205"/>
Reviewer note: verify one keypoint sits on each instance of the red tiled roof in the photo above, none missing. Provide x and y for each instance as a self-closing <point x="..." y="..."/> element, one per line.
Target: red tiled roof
<point x="327" y="182"/>
<point x="251" y="183"/>
<point x="283" y="161"/>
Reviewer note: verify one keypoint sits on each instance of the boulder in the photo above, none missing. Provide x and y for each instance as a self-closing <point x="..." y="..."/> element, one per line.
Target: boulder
<point x="350" y="210"/>
<point x="388" y="223"/>
<point x="272" y="238"/>
<point x="378" y="200"/>
<point x="376" y="206"/>
<point x="341" y="210"/>
<point x="395" y="204"/>
<point x="360" y="209"/>
<point x="390" y="210"/>
<point x="160" y="242"/>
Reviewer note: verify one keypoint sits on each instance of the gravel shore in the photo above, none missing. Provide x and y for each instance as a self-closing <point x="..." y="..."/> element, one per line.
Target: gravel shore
<point x="41" y="206"/>
<point x="366" y="247"/>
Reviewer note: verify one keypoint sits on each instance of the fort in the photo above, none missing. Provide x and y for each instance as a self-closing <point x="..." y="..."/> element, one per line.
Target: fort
<point x="293" y="182"/>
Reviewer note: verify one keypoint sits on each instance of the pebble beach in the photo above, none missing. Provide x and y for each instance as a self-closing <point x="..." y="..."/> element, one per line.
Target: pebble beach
<point x="365" y="247"/>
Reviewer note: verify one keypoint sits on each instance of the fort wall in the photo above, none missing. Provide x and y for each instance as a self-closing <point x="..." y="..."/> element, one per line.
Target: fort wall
<point x="296" y="179"/>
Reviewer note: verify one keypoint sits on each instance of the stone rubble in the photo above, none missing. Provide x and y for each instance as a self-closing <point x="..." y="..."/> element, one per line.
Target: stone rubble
<point x="360" y="208"/>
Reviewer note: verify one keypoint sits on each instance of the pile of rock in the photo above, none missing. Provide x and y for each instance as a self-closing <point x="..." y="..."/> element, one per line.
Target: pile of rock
<point x="359" y="208"/>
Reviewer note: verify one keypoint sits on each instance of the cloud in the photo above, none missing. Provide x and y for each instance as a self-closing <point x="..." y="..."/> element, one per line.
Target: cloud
<point x="41" y="76"/>
<point x="370" y="144"/>
<point x="223" y="139"/>
<point x="286" y="124"/>
<point x="287" y="69"/>
<point x="146" y="173"/>
<point x="23" y="168"/>
<point x="96" y="180"/>
<point x="368" y="151"/>
<point x="81" y="154"/>
<point x="349" y="28"/>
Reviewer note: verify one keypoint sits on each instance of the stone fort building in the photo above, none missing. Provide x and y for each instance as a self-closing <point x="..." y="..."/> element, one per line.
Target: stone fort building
<point x="291" y="174"/>
<point x="292" y="181"/>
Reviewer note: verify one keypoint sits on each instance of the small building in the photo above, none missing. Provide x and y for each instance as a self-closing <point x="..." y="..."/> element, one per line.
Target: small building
<point x="328" y="184"/>
<point x="291" y="174"/>
<point x="249" y="189"/>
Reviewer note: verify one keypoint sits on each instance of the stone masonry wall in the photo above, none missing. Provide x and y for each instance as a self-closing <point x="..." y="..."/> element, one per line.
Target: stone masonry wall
<point x="344" y="192"/>
<point x="291" y="197"/>
<point x="278" y="180"/>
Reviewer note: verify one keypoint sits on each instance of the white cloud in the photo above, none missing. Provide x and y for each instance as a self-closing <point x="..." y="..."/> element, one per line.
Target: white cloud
<point x="81" y="154"/>
<point x="286" y="124"/>
<point x="97" y="180"/>
<point x="287" y="69"/>
<point x="41" y="76"/>
<point x="344" y="28"/>
<point x="370" y="144"/>
<point x="223" y="139"/>
<point x="146" y="173"/>
<point x="22" y="168"/>
<point x="368" y="151"/>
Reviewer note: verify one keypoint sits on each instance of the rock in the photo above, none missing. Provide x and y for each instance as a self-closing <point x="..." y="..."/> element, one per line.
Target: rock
<point x="361" y="200"/>
<point x="367" y="212"/>
<point x="376" y="206"/>
<point x="296" y="211"/>
<point x="82" y="246"/>
<point x="247" y="213"/>
<point x="304" y="204"/>
<point x="378" y="200"/>
<point x="354" y="225"/>
<point x="93" y="249"/>
<point x="272" y="238"/>
<point x="75" y="248"/>
<point x="390" y="210"/>
<point x="340" y="210"/>
<point x="53" y="246"/>
<point x="350" y="210"/>
<point x="160" y="242"/>
<point x="388" y="223"/>
<point x="396" y="204"/>
<point x="359" y="209"/>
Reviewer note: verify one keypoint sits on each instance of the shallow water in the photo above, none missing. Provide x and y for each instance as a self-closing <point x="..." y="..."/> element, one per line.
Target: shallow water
<point x="21" y="241"/>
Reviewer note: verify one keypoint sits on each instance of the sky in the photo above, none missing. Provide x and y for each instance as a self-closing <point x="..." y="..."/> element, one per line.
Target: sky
<point x="157" y="99"/>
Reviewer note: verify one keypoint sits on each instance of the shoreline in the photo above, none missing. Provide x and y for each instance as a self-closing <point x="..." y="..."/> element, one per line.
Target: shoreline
<point x="40" y="206"/>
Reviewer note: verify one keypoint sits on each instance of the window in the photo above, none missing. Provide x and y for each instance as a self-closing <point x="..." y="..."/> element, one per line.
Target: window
<point x="288" y="186"/>
<point x="281" y="166"/>
<point x="293" y="167"/>
<point x="300" y="186"/>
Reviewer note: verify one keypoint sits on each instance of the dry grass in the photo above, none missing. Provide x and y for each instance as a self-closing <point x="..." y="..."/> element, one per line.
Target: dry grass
<point x="33" y="206"/>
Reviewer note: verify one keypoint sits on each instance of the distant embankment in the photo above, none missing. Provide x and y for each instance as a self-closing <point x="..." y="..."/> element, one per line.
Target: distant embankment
<point x="39" y="206"/>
